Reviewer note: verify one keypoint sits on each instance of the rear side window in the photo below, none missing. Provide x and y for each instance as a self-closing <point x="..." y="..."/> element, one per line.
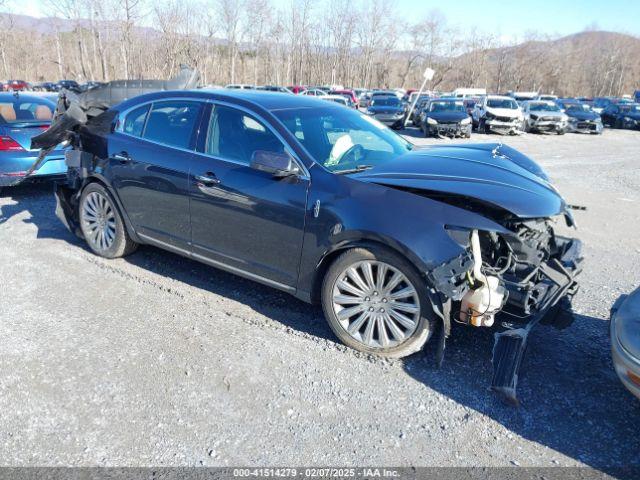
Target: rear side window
<point x="26" y="111"/>
<point x="134" y="123"/>
<point x="172" y="122"/>
<point x="235" y="135"/>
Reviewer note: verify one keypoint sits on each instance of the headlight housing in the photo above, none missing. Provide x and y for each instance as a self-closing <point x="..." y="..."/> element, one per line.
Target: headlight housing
<point x="533" y="117"/>
<point x="465" y="121"/>
<point x="431" y="121"/>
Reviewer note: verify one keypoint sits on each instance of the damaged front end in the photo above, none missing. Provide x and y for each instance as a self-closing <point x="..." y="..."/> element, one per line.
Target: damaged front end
<point x="512" y="275"/>
<point x="515" y="280"/>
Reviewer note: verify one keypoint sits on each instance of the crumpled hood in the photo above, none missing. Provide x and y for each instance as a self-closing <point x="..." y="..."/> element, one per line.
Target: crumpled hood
<point x="545" y="114"/>
<point x="493" y="173"/>
<point x="582" y="115"/>
<point x="505" y="112"/>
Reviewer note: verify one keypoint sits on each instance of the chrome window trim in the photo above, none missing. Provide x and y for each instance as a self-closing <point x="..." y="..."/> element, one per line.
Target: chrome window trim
<point x="304" y="175"/>
<point x="122" y="116"/>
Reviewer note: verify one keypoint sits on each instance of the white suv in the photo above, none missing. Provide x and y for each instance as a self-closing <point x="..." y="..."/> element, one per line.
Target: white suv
<point x="495" y="113"/>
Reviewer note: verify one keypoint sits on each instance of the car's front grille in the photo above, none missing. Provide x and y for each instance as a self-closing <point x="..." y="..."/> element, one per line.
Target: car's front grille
<point x="586" y="125"/>
<point x="505" y="119"/>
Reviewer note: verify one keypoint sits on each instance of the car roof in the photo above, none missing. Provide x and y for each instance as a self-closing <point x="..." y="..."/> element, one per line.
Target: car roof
<point x="499" y="97"/>
<point x="262" y="99"/>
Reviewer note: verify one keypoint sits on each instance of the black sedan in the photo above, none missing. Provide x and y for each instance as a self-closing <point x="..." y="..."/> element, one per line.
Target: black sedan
<point x="329" y="205"/>
<point x="445" y="117"/>
<point x="389" y="110"/>
<point x="622" y="115"/>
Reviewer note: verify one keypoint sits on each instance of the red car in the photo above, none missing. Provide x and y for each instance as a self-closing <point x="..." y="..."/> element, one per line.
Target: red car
<point x="350" y="95"/>
<point x="15" y="86"/>
<point x="297" y="89"/>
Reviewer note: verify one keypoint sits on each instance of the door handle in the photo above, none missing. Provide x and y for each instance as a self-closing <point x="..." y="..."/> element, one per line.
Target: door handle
<point x="122" y="157"/>
<point x="208" y="178"/>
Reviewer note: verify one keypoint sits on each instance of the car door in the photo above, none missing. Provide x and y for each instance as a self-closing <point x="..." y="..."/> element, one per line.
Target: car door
<point x="242" y="218"/>
<point x="150" y="154"/>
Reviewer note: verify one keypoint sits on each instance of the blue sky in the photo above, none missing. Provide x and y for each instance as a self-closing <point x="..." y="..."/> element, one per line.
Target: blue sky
<point x="507" y="19"/>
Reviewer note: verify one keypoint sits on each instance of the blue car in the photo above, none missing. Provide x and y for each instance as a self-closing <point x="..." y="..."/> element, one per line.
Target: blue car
<point x="331" y="206"/>
<point x="21" y="118"/>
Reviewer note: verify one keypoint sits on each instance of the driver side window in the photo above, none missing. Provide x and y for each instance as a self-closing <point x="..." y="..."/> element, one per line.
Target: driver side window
<point x="235" y="135"/>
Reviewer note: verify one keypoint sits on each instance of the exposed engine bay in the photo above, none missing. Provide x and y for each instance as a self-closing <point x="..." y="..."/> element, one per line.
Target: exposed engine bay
<point x="520" y="279"/>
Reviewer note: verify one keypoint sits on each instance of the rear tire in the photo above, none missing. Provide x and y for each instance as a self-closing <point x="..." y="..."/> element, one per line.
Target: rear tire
<point x="102" y="225"/>
<point x="376" y="302"/>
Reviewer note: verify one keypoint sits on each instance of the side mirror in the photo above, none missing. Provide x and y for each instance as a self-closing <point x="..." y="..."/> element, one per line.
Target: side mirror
<point x="279" y="165"/>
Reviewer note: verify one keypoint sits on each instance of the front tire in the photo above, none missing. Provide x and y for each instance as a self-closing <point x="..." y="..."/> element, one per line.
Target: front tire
<point x="376" y="302"/>
<point x="102" y="225"/>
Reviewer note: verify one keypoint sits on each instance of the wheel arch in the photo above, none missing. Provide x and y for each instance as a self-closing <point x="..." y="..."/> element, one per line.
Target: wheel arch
<point x="95" y="178"/>
<point x="332" y="254"/>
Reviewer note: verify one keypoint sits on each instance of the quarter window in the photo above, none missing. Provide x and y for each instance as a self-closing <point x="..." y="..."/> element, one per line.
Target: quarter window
<point x="134" y="123"/>
<point x="235" y="135"/>
<point x="172" y="123"/>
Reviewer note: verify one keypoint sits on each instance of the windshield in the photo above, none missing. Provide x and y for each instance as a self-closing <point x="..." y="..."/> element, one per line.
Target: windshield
<point x="502" y="103"/>
<point x="26" y="110"/>
<point x="544" y="107"/>
<point x="343" y="139"/>
<point x="447" y="107"/>
<point x="577" y="107"/>
<point x="385" y="102"/>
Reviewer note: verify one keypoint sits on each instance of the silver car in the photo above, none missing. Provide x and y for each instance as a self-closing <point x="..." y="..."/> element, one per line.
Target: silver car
<point x="544" y="116"/>
<point x="625" y="340"/>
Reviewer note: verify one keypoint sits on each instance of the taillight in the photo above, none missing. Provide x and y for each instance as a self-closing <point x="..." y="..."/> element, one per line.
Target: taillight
<point x="8" y="144"/>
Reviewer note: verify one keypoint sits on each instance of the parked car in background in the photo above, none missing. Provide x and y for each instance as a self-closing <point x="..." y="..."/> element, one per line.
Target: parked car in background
<point x="624" y="329"/>
<point x="547" y="98"/>
<point x="297" y="89"/>
<point x="522" y="97"/>
<point x="582" y="118"/>
<point x="445" y="117"/>
<point x="273" y="88"/>
<point x="420" y="104"/>
<point x="15" y="86"/>
<point x="636" y="96"/>
<point x="23" y="116"/>
<point x="348" y="94"/>
<point x="622" y="115"/>
<point x="339" y="99"/>
<point x="544" y="116"/>
<point x="600" y="103"/>
<point x="45" y="87"/>
<point x="499" y="114"/>
<point x="387" y="109"/>
<point x="314" y="92"/>
<point x="364" y="99"/>
<point x="70" y="85"/>
<point x="470" y="104"/>
<point x="239" y="86"/>
<point x="469" y="92"/>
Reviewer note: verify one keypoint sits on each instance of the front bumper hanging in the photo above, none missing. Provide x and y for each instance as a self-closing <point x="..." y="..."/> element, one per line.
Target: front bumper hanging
<point x="553" y="308"/>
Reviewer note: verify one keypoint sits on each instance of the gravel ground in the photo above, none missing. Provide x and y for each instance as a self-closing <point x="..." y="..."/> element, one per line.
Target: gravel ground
<point x="158" y="360"/>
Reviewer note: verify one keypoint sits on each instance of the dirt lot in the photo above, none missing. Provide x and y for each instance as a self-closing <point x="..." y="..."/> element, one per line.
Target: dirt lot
<point x="158" y="360"/>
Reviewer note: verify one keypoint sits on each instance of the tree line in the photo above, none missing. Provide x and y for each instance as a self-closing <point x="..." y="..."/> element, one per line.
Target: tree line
<point x="361" y="43"/>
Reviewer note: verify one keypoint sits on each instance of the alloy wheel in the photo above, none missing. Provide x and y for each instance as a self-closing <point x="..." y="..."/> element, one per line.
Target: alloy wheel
<point x="376" y="304"/>
<point x="98" y="221"/>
